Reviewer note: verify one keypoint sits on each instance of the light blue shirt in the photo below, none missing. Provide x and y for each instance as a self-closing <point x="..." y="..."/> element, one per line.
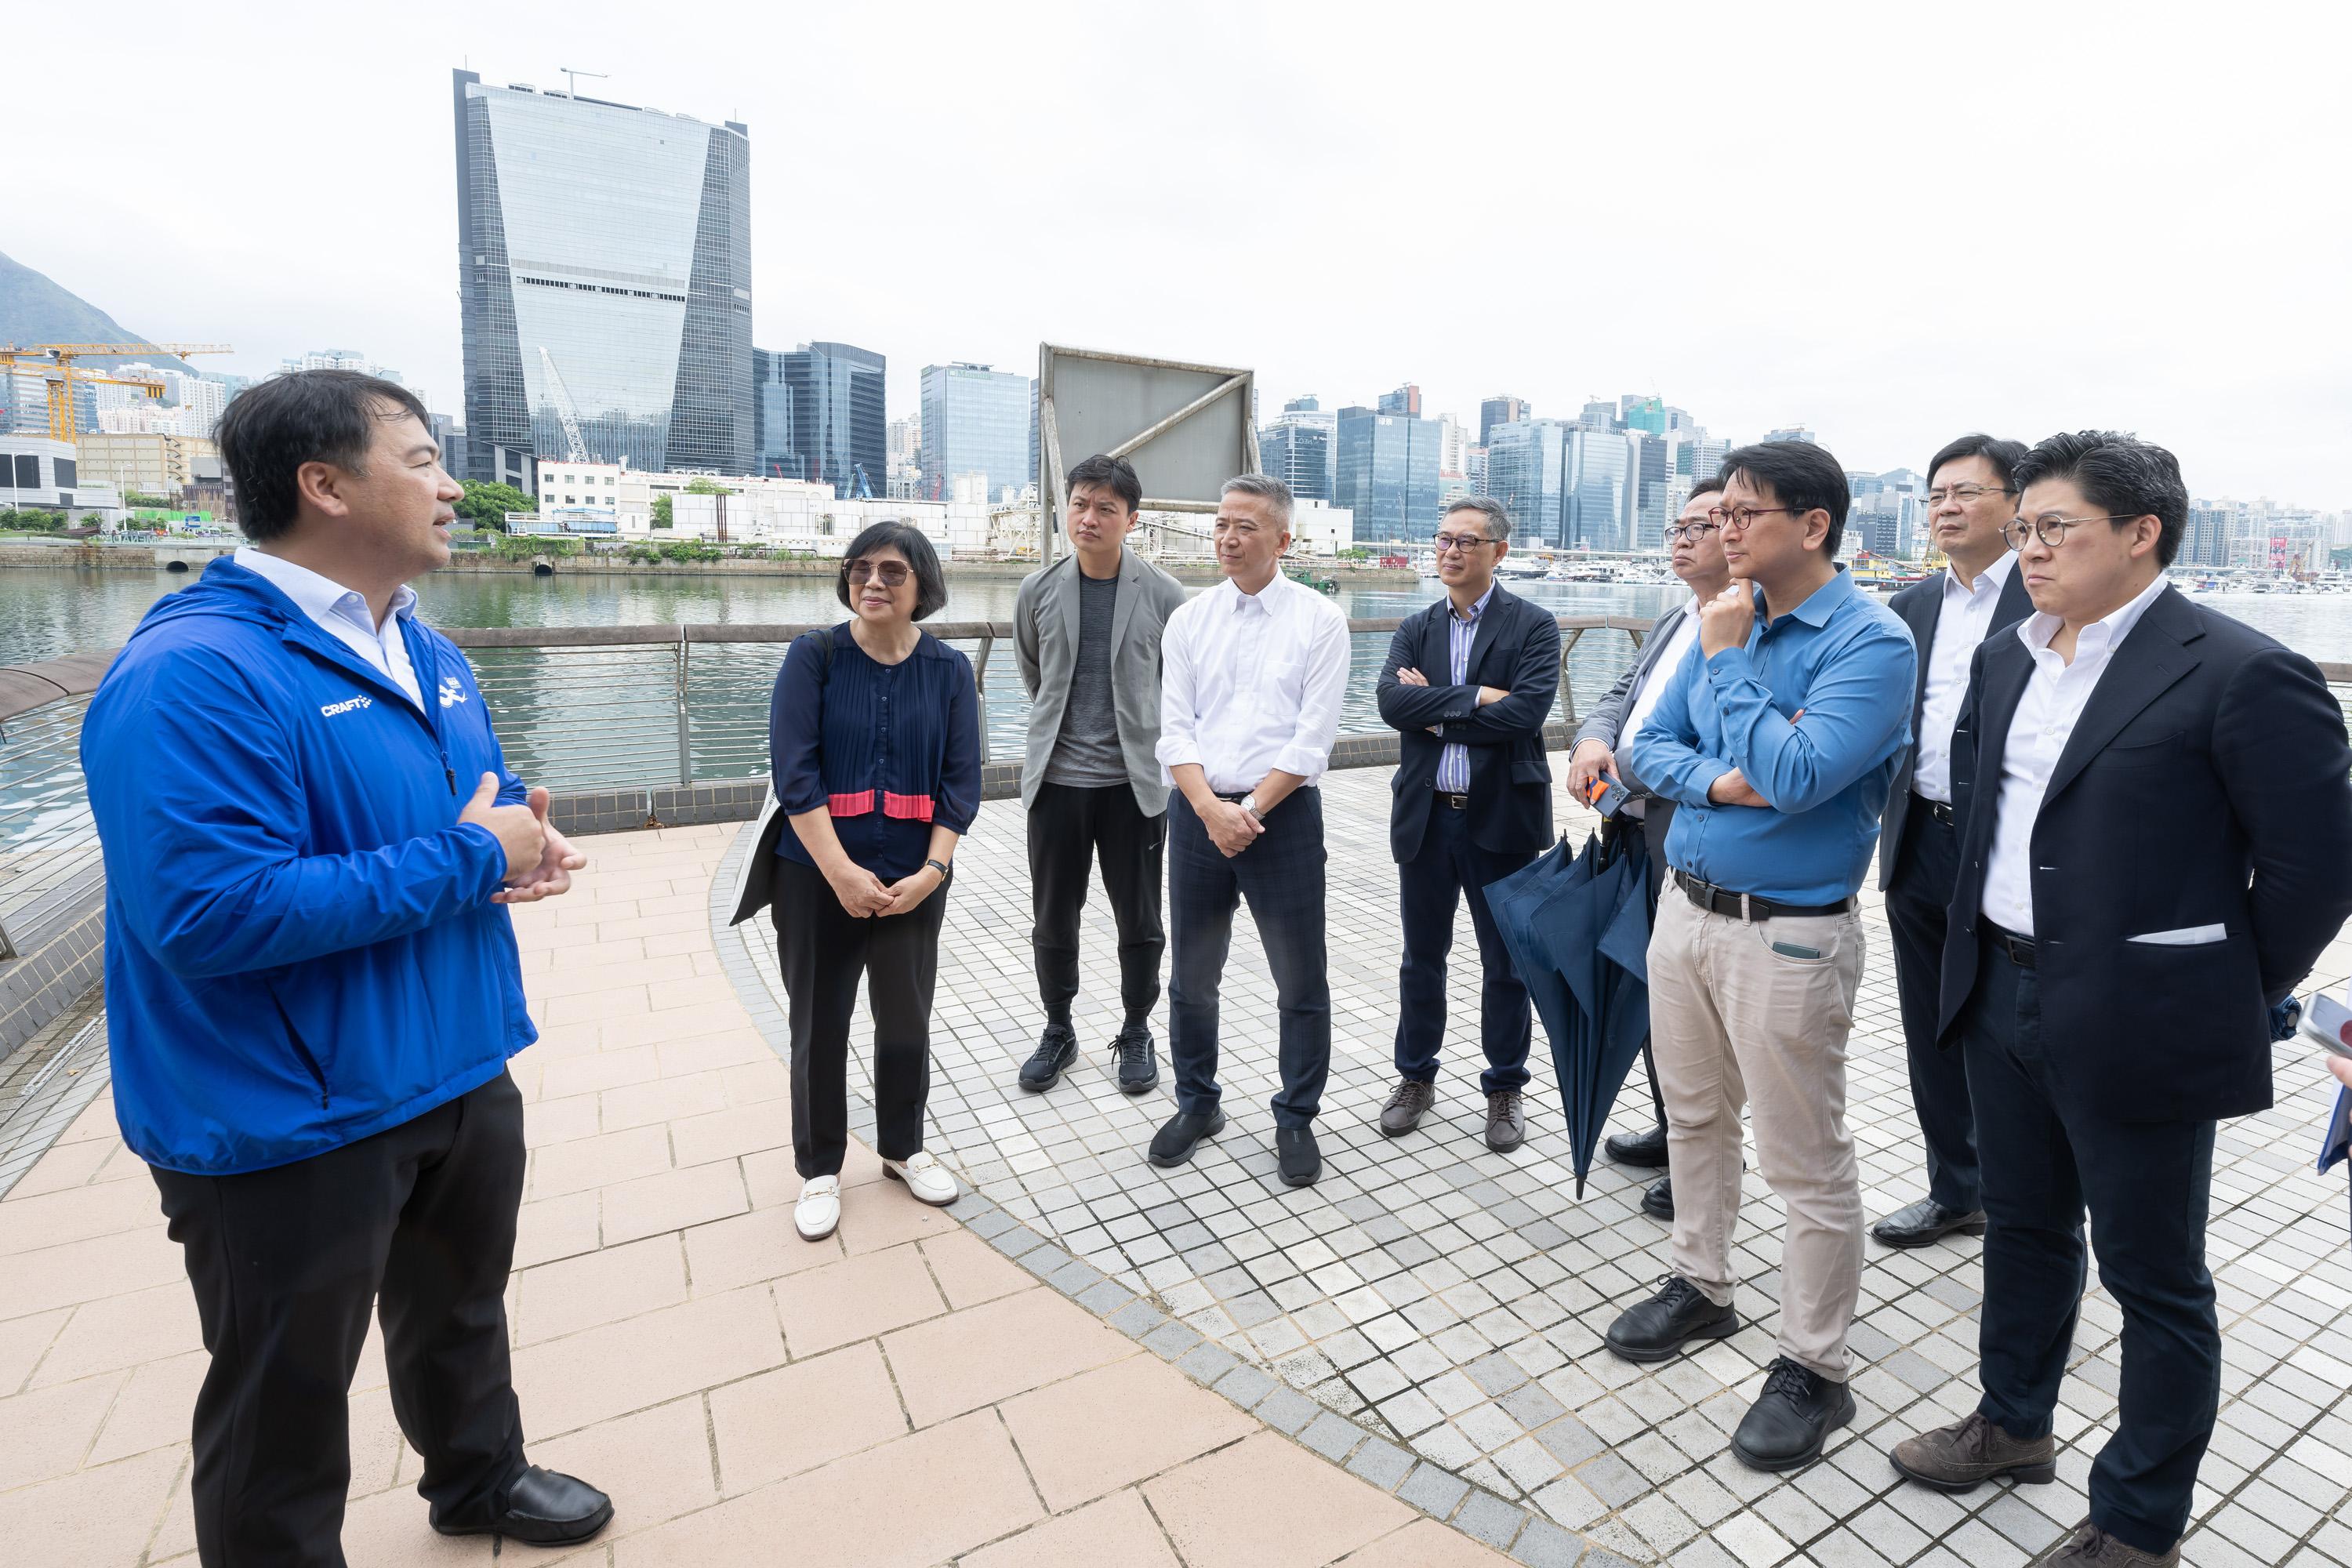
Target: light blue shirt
<point x="1815" y="712"/>
<point x="342" y="613"/>
<point x="1461" y="631"/>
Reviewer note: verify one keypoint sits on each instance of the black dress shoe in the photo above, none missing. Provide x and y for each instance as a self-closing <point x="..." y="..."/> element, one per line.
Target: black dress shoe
<point x="1181" y="1135"/>
<point x="1785" y="1429"/>
<point x="540" y="1508"/>
<point x="1295" y="1155"/>
<point x="1058" y="1048"/>
<point x="1926" y="1222"/>
<point x="1655" y="1330"/>
<point x="1644" y="1149"/>
<point x="1138" y="1060"/>
<point x="1658" y="1199"/>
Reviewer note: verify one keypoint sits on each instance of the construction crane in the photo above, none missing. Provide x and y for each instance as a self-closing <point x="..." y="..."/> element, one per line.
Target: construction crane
<point x="18" y="358"/>
<point x="575" y="449"/>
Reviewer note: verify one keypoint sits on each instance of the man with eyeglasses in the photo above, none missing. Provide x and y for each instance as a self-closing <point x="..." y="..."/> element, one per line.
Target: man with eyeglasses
<point x="1468" y="684"/>
<point x="1617" y="718"/>
<point x="1971" y="499"/>
<point x="1777" y="744"/>
<point x="2155" y="845"/>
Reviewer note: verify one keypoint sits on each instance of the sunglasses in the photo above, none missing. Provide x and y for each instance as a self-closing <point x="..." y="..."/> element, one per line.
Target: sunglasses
<point x="892" y="574"/>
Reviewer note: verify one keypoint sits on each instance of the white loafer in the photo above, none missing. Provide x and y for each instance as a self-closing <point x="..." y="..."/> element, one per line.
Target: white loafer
<point x="817" y="1213"/>
<point x="925" y="1177"/>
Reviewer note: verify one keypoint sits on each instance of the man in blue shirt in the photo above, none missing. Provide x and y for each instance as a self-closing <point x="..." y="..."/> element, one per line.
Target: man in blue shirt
<point x="1776" y="741"/>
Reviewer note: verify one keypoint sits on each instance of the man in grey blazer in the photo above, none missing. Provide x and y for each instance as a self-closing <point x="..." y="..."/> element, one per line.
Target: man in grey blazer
<point x="1698" y="549"/>
<point x="1085" y="632"/>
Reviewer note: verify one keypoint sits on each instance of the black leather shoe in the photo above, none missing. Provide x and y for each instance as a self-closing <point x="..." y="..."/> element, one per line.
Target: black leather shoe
<point x="1926" y="1222"/>
<point x="1644" y="1149"/>
<point x="540" y="1508"/>
<point x="1785" y="1429"/>
<point x="1297" y="1157"/>
<point x="1181" y="1135"/>
<point x="1138" y="1060"/>
<point x="1657" y="1329"/>
<point x="1058" y="1048"/>
<point x="1658" y="1199"/>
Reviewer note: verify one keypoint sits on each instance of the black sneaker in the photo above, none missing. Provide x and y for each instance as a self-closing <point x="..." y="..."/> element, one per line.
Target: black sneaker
<point x="1785" y="1429"/>
<point x="1657" y="1329"/>
<point x="1139" y="1061"/>
<point x="1183" y="1133"/>
<point x="1297" y="1157"/>
<point x="1058" y="1048"/>
<point x="1644" y="1149"/>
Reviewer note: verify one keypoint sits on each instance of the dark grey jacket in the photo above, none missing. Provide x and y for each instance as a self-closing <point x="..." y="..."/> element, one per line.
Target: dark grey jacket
<point x="1606" y="722"/>
<point x="1045" y="646"/>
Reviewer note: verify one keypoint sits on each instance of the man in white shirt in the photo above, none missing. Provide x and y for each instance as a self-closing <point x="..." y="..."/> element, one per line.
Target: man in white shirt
<point x="2155" y="809"/>
<point x="1971" y="499"/>
<point x="1252" y="673"/>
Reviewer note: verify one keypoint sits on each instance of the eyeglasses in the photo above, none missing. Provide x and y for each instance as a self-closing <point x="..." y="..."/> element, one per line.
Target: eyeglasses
<point x="1448" y="542"/>
<point x="2051" y="528"/>
<point x="1742" y="518"/>
<point x="1694" y="532"/>
<point x="892" y="574"/>
<point x="1965" y="494"/>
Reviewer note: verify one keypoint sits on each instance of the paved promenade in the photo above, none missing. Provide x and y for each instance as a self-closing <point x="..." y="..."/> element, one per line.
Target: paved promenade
<point x="1088" y="1360"/>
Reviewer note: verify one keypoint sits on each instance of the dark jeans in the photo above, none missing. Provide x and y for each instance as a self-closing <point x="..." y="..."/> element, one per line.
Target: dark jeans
<point x="416" y="1223"/>
<point x="823" y="952"/>
<point x="1430" y="885"/>
<point x="2147" y="1186"/>
<point x="1924" y="877"/>
<point x="1069" y="830"/>
<point x="1281" y="874"/>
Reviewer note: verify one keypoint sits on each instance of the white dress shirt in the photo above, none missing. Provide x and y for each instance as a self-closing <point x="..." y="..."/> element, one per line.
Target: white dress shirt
<point x="342" y="613"/>
<point x="2046" y="714"/>
<point x="1653" y="684"/>
<point x="1963" y="620"/>
<point x="1251" y="682"/>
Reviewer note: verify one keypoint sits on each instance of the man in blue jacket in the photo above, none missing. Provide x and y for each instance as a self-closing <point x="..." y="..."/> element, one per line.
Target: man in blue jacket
<point x="312" y="993"/>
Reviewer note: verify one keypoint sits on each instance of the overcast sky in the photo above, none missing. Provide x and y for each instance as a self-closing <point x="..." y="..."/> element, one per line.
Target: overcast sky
<point x="1891" y="222"/>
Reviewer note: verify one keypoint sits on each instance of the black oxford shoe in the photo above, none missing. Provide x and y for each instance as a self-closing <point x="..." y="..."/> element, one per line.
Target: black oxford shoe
<point x="1181" y="1135"/>
<point x="1657" y="1329"/>
<point x="539" y="1507"/>
<point x="1295" y="1155"/>
<point x="1926" y="1222"/>
<point x="1785" y="1429"/>
<point x="1658" y="1199"/>
<point x="1644" y="1149"/>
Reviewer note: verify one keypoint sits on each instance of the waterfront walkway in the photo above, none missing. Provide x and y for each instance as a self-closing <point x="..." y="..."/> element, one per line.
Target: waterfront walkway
<point x="1088" y="1360"/>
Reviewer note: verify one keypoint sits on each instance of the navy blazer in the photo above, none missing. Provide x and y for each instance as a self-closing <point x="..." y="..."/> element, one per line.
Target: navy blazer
<point x="1516" y="648"/>
<point x="2207" y="783"/>
<point x="1920" y="605"/>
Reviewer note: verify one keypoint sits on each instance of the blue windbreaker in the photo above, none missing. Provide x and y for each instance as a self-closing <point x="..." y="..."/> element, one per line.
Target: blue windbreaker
<point x="300" y="945"/>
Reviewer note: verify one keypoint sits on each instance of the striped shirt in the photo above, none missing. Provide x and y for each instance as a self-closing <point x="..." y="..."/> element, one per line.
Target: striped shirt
<point x="1461" y="631"/>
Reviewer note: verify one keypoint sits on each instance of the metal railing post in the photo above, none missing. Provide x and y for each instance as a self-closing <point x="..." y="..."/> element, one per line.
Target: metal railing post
<point x="684" y="734"/>
<point x="980" y="685"/>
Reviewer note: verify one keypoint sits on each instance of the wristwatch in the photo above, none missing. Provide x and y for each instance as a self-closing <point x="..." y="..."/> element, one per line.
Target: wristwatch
<point x="938" y="866"/>
<point x="1249" y="803"/>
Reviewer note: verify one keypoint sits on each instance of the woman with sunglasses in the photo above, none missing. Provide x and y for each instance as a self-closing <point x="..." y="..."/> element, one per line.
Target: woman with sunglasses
<point x="873" y="741"/>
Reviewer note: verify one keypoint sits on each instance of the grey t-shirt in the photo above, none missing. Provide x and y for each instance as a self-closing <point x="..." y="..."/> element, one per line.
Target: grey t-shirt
<point x="1086" y="754"/>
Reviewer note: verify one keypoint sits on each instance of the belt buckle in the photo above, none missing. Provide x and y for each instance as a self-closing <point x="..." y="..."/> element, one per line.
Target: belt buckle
<point x="1459" y="802"/>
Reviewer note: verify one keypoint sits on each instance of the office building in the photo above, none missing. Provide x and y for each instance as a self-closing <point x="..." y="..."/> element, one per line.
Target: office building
<point x="347" y="359"/>
<point x="2207" y="540"/>
<point x="817" y="416"/>
<point x="1301" y="449"/>
<point x="1386" y="472"/>
<point x="1599" y="413"/>
<point x="147" y="465"/>
<point x="976" y="423"/>
<point x="1603" y="478"/>
<point x="1792" y="433"/>
<point x="1637" y="412"/>
<point x="1405" y="400"/>
<point x="603" y="281"/>
<point x="1503" y="410"/>
<point x="39" y="474"/>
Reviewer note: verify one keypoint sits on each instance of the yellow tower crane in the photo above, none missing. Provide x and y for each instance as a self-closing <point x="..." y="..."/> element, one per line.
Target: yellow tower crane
<point x="42" y="359"/>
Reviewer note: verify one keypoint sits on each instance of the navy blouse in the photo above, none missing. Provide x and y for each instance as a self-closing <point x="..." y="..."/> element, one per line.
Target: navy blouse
<point x="891" y="749"/>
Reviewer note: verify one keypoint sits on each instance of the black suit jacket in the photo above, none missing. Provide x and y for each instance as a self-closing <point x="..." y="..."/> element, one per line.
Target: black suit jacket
<point x="1920" y="605"/>
<point x="2207" y="783"/>
<point x="1516" y="648"/>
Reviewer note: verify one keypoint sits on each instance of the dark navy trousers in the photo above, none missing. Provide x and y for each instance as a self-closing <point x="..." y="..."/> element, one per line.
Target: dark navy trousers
<point x="1916" y="900"/>
<point x="1430" y="887"/>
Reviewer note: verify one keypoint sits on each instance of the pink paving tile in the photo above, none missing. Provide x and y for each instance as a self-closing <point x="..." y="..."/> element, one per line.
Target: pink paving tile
<point x="1116" y="1531"/>
<point x="799" y="1417"/>
<point x="645" y="1361"/>
<point x="98" y="1518"/>
<point x="855" y="1300"/>
<point x="989" y="1352"/>
<point x="595" y="1288"/>
<point x="44" y="1433"/>
<point x="122" y="1332"/>
<point x="154" y="1408"/>
<point x="655" y="1464"/>
<point x="751" y="1249"/>
<point x="672" y="1201"/>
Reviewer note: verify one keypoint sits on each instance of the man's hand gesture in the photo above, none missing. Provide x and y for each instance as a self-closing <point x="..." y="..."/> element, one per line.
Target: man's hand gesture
<point x="1725" y="621"/>
<point x="558" y="860"/>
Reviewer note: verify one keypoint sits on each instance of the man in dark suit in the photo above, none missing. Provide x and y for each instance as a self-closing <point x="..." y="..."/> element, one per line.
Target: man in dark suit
<point x="1972" y="496"/>
<point x="2156" y="843"/>
<point x="1468" y="684"/>
<point x="1697" y="546"/>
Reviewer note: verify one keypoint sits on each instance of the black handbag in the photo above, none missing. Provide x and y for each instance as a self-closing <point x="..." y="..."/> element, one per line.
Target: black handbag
<point x="755" y="879"/>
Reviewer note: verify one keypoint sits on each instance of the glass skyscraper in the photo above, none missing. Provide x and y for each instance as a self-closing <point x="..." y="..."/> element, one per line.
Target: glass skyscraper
<point x="1386" y="471"/>
<point x="1527" y="471"/>
<point x="976" y="421"/>
<point x="604" y="279"/>
<point x="819" y="417"/>
<point x="1298" y="448"/>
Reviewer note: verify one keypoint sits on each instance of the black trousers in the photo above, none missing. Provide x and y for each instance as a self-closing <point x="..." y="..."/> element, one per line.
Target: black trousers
<point x="1069" y="830"/>
<point x="1430" y="887"/>
<point x="823" y="952"/>
<point x="2147" y="1186"/>
<point x="1925" y="874"/>
<point x="1281" y="874"/>
<point x="418" y="1224"/>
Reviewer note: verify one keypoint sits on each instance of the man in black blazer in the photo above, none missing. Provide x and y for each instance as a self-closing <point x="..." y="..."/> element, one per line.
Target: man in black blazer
<point x="1972" y="496"/>
<point x="2156" y="844"/>
<point x="1468" y="684"/>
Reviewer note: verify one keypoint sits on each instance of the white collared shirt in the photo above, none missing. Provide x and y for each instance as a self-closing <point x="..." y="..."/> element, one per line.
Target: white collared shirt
<point x="1251" y="682"/>
<point x="2046" y="715"/>
<point x="1653" y="683"/>
<point x="342" y="613"/>
<point x="1963" y="620"/>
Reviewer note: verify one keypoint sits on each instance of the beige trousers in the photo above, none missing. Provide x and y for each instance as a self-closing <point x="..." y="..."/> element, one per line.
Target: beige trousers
<point x="1734" y="1022"/>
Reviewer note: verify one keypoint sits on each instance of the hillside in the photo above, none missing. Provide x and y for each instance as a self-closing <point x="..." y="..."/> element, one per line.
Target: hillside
<point x="34" y="310"/>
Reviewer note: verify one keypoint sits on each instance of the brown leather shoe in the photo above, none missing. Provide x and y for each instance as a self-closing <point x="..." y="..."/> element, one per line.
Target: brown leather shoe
<point x="1961" y="1458"/>
<point x="1506" y="1121"/>
<point x="2093" y="1545"/>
